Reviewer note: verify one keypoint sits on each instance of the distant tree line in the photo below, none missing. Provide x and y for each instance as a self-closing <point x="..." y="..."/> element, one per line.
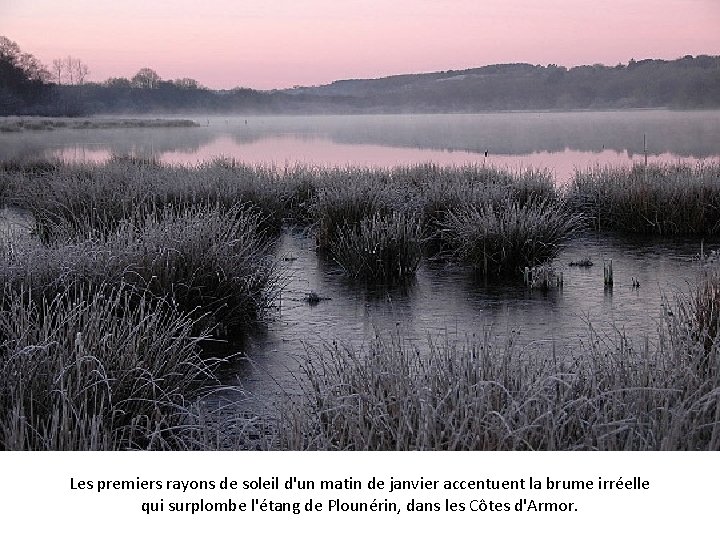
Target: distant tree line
<point x="27" y="87"/>
<point x="689" y="82"/>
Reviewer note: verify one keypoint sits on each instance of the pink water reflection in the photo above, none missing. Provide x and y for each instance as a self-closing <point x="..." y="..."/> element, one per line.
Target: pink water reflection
<point x="282" y="150"/>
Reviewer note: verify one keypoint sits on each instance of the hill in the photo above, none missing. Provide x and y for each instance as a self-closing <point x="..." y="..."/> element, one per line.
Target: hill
<point x="688" y="82"/>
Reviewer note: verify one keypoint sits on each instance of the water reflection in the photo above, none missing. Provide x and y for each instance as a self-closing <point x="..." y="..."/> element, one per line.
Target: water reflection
<point x="559" y="141"/>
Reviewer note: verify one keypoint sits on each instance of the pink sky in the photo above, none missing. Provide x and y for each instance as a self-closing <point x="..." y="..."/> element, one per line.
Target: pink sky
<point x="280" y="43"/>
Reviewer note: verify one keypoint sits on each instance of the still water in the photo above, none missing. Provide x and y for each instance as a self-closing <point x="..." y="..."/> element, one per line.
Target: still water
<point x="446" y="301"/>
<point x="558" y="141"/>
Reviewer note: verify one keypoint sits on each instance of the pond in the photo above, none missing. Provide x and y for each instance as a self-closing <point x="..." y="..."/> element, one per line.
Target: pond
<point x="558" y="141"/>
<point x="448" y="301"/>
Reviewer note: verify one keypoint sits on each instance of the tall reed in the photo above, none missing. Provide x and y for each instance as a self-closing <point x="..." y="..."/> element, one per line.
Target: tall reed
<point x="81" y="372"/>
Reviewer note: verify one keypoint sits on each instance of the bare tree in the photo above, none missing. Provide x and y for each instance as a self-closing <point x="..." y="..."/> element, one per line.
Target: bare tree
<point x="70" y="70"/>
<point x="58" y="70"/>
<point x="146" y="78"/>
<point x="81" y="71"/>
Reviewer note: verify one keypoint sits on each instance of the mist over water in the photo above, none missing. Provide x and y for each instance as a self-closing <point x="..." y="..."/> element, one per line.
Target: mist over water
<point x="558" y="141"/>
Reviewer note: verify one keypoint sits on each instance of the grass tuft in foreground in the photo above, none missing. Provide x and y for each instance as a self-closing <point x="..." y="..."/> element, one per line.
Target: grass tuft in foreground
<point x="81" y="372"/>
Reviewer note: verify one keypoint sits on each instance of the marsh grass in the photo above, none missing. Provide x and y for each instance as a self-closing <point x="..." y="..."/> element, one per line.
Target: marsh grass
<point x="701" y="316"/>
<point x="79" y="371"/>
<point x="105" y="311"/>
<point x="101" y="195"/>
<point x="664" y="200"/>
<point x="380" y="248"/>
<point x="489" y="394"/>
<point x="103" y="321"/>
<point x="358" y="213"/>
<point x="211" y="261"/>
<point x="438" y="200"/>
<point x="86" y="197"/>
<point x="338" y="207"/>
<point x="503" y="237"/>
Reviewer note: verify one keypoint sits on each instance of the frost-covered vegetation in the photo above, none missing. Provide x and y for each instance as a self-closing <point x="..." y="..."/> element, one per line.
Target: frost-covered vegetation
<point x="111" y="297"/>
